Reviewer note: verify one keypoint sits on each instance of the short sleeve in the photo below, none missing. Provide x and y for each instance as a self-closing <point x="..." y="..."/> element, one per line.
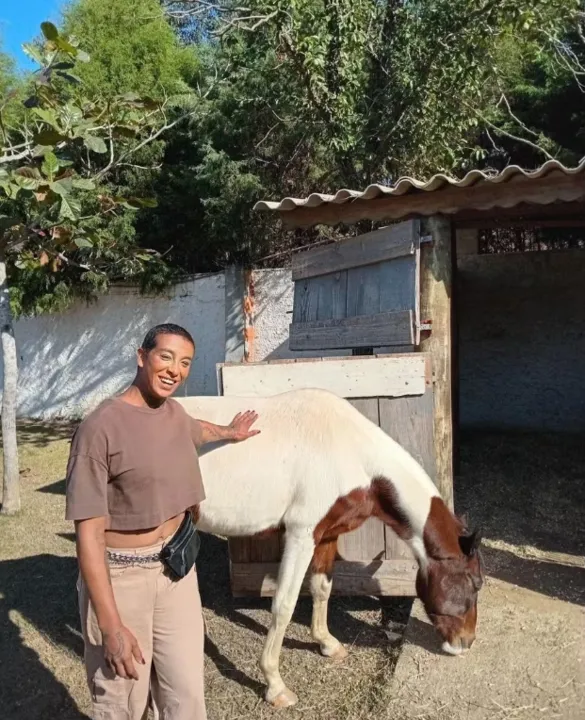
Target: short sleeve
<point x="196" y="432"/>
<point x="87" y="476"/>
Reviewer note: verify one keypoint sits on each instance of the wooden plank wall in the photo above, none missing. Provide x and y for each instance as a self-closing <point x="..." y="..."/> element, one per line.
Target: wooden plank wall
<point x="372" y="559"/>
<point x="359" y="292"/>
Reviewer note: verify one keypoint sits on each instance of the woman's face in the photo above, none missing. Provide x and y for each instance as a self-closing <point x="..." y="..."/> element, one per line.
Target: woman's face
<point x="164" y="368"/>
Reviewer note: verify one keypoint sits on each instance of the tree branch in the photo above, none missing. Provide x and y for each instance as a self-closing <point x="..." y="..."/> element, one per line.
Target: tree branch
<point x="143" y="143"/>
<point x="516" y="138"/>
<point x="15" y="158"/>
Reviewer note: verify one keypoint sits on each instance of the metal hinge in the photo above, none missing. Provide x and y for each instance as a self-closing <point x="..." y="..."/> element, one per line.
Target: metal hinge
<point x="425" y="239"/>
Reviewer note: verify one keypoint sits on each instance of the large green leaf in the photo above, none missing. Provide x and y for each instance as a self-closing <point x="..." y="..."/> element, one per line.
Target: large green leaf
<point x="69" y="77"/>
<point x="82" y="242"/>
<point x="95" y="144"/>
<point x="50" y="165"/>
<point x="49" y="31"/>
<point x="66" y="46"/>
<point x="70" y="208"/>
<point x="83" y="184"/>
<point x="28" y="172"/>
<point x="62" y="187"/>
<point x="48" y="116"/>
<point x="26" y="183"/>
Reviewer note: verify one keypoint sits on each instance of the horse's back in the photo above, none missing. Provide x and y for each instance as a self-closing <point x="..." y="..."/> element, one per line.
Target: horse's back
<point x="289" y="467"/>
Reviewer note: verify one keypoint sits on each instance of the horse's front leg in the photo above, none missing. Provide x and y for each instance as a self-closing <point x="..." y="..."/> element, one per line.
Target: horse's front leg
<point x="298" y="550"/>
<point x="321" y="583"/>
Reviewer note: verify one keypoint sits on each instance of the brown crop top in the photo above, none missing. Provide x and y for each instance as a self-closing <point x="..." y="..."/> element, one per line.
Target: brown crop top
<point x="137" y="466"/>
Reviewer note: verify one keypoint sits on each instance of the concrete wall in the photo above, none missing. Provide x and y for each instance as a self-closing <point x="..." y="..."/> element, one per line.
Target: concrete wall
<point x="68" y="363"/>
<point x="522" y="340"/>
<point x="273" y="305"/>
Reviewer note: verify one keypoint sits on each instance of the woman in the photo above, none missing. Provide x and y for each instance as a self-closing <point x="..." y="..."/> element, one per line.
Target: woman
<point x="132" y="475"/>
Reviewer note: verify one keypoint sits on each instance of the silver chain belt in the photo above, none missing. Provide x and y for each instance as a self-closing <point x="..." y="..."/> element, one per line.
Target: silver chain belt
<point x="123" y="559"/>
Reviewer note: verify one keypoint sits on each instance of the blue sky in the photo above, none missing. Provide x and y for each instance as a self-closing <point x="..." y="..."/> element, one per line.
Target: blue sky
<point x="20" y="21"/>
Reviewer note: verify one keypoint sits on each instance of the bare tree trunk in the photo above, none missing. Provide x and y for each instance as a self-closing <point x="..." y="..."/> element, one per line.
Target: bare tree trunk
<point x="11" y="495"/>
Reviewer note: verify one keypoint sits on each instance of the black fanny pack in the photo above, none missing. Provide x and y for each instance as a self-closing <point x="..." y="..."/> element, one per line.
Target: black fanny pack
<point x="180" y="553"/>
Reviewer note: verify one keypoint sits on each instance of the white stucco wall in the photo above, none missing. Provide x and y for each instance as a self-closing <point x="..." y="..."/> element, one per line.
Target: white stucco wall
<point x="274" y="294"/>
<point x="69" y="363"/>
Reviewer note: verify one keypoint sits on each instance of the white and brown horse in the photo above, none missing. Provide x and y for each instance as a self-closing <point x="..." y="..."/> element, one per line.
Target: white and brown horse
<point x="319" y="469"/>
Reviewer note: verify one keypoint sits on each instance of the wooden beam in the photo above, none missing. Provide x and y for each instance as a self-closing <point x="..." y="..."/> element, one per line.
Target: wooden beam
<point x="557" y="214"/>
<point x="385" y="329"/>
<point x="349" y="377"/>
<point x="373" y="247"/>
<point x="350" y="578"/>
<point x="555" y="186"/>
<point x="436" y="292"/>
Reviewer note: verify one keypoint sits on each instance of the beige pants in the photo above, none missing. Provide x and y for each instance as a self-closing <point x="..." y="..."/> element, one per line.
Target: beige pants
<point x="166" y="619"/>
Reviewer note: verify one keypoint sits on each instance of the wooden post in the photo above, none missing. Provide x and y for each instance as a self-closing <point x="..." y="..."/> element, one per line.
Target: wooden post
<point x="436" y="277"/>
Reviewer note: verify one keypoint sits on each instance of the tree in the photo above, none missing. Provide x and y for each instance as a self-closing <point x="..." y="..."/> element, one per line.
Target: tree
<point x="326" y="94"/>
<point x="56" y="205"/>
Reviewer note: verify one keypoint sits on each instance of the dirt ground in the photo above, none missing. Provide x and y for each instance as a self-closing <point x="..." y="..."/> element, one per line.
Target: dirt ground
<point x="529" y="657"/>
<point x="529" y="493"/>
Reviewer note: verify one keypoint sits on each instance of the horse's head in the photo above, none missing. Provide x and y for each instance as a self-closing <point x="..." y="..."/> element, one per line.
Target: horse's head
<point x="448" y="587"/>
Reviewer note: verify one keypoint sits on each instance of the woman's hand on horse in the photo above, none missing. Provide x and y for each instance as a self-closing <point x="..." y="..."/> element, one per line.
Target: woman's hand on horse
<point x="240" y="426"/>
<point x="120" y="650"/>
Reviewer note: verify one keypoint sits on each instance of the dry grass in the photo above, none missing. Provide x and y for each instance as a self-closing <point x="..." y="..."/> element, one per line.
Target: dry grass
<point x="41" y="673"/>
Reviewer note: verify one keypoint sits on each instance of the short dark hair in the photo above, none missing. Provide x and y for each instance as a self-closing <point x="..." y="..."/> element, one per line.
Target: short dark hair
<point x="149" y="341"/>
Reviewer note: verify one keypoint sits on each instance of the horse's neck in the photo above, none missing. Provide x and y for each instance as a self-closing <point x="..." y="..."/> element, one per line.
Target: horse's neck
<point x="421" y="518"/>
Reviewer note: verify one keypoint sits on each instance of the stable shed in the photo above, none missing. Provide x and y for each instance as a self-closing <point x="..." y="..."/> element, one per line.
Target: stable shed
<point x="394" y="289"/>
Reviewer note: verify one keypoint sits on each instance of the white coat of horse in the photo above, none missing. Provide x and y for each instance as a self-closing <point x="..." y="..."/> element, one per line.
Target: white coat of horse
<point x="320" y="468"/>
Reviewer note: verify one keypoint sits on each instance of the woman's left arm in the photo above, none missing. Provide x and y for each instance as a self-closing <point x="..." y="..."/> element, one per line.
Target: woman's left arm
<point x="236" y="431"/>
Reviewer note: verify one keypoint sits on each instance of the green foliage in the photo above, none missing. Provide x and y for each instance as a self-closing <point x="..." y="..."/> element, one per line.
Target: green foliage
<point x="63" y="231"/>
<point x="132" y="47"/>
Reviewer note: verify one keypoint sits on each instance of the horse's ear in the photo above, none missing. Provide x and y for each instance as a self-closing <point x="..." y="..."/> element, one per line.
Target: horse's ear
<point x="464" y="519"/>
<point x="470" y="543"/>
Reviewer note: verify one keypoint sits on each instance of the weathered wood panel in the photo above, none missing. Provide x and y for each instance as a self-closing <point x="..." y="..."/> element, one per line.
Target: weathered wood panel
<point x="409" y="421"/>
<point x="436" y="291"/>
<point x="352" y="377"/>
<point x="382" y="329"/>
<point x="371" y="560"/>
<point x="367" y="542"/>
<point x="363" y="277"/>
<point x="373" y="247"/>
<point x="383" y="577"/>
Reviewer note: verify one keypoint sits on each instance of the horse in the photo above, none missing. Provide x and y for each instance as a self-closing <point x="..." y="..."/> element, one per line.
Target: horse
<point x="318" y="469"/>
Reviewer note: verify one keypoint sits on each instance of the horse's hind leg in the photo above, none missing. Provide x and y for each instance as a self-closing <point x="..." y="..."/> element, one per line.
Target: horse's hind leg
<point x="298" y="550"/>
<point x="321" y="583"/>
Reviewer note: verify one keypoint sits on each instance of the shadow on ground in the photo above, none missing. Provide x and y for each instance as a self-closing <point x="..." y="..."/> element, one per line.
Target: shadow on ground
<point x="41" y="590"/>
<point x="42" y="434"/>
<point x="525" y="489"/>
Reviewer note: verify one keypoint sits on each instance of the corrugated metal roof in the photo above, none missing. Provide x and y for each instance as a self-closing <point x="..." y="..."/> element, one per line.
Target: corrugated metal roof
<point x="410" y="185"/>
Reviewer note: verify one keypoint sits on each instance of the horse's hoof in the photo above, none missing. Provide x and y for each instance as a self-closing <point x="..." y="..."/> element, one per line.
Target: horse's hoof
<point x="284" y="699"/>
<point x="337" y="655"/>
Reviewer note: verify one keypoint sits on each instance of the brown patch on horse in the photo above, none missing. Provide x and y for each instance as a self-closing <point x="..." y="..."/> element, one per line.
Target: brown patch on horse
<point x="441" y="532"/>
<point x="350" y="511"/>
<point x="346" y="514"/>
<point x="387" y="508"/>
<point x="324" y="557"/>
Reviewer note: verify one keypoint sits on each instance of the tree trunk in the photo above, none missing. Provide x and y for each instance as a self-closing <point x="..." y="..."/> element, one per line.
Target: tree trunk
<point x="11" y="495"/>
